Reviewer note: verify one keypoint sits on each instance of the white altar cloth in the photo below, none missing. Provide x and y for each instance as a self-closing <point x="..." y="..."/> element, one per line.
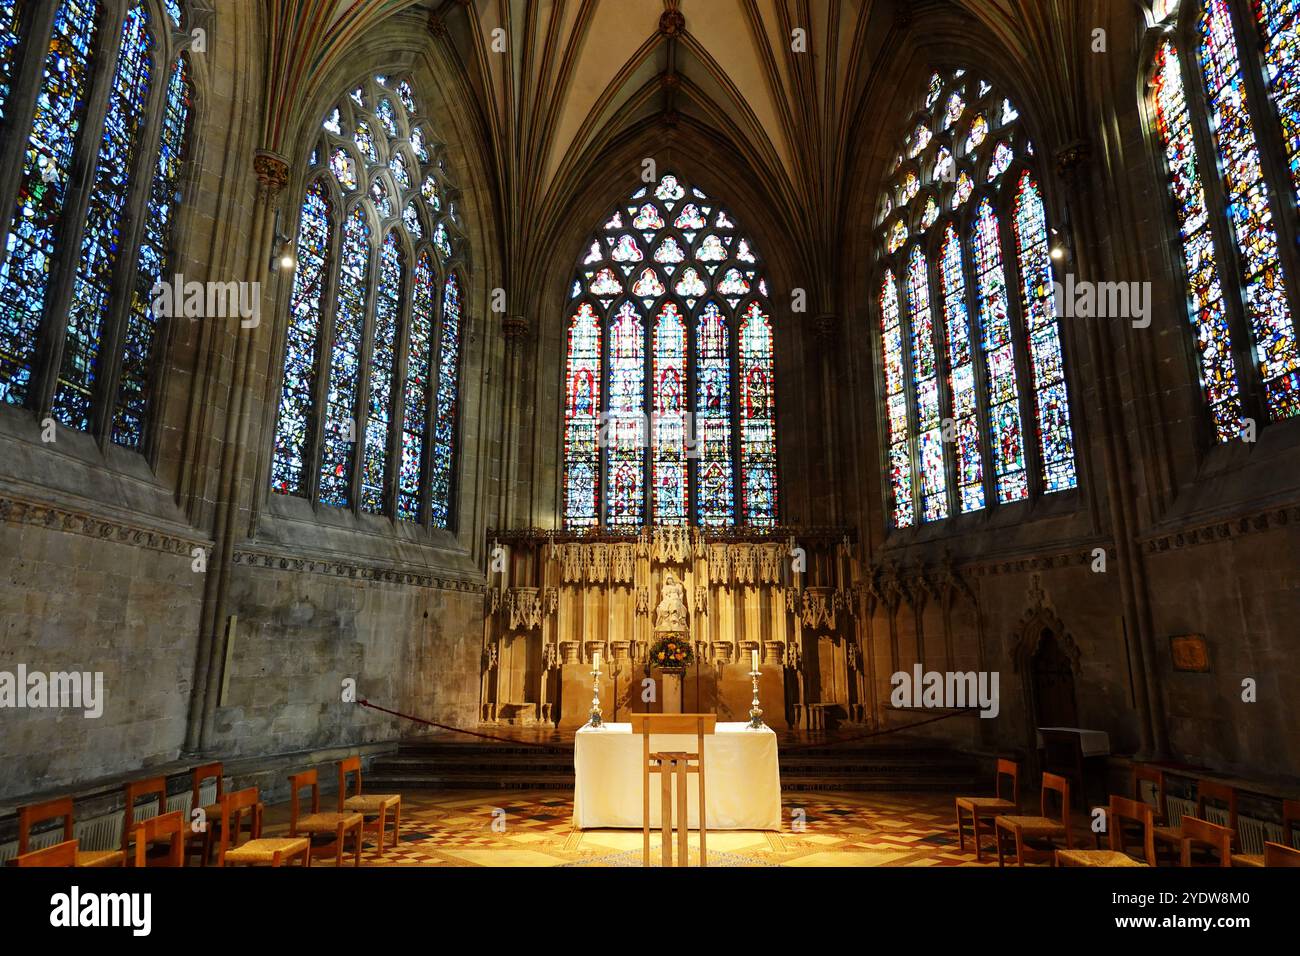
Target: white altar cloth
<point x="742" y="785"/>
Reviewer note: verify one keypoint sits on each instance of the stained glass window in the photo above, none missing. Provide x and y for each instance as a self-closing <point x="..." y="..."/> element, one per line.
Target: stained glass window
<point x="757" y="418"/>
<point x="92" y="286"/>
<point x="1046" y="361"/>
<point x="152" y="265"/>
<point x="626" y="421"/>
<point x="670" y="414"/>
<point x="448" y="398"/>
<point x="925" y="382"/>
<point x="293" y="430"/>
<point x="382" y="370"/>
<point x="42" y="191"/>
<point x="1006" y="432"/>
<point x="11" y="24"/>
<point x="582" y="418"/>
<point x="1204" y="287"/>
<point x="1252" y="366"/>
<point x="896" y="418"/>
<point x="961" y="373"/>
<point x="387" y="425"/>
<point x="410" y="474"/>
<point x="102" y="364"/>
<point x="1279" y="23"/>
<point x="1249" y="213"/>
<point x="716" y="494"/>
<point x="956" y="361"/>
<point x="341" y="412"/>
<point x="668" y="381"/>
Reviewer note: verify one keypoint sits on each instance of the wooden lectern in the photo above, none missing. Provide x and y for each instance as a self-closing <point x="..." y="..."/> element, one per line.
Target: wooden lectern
<point x="669" y="764"/>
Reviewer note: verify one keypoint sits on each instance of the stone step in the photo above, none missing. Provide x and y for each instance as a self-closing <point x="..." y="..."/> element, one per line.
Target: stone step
<point x="470" y="764"/>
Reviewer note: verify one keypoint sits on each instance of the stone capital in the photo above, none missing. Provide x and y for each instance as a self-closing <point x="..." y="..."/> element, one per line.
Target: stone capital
<point x="272" y="171"/>
<point x="515" y="328"/>
<point x="826" y="328"/>
<point x="1073" y="158"/>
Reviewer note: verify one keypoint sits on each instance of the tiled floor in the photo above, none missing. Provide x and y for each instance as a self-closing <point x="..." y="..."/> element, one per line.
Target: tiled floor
<point x="535" y="828"/>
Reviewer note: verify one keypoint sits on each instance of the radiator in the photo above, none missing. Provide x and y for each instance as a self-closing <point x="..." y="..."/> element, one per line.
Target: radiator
<point x="1251" y="831"/>
<point x="104" y="832"/>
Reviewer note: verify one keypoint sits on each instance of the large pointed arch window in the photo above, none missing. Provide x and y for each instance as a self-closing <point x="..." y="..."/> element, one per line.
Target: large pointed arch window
<point x="976" y="405"/>
<point x="87" y="230"/>
<point x="369" y="401"/>
<point x="1231" y="151"/>
<point x="670" y="401"/>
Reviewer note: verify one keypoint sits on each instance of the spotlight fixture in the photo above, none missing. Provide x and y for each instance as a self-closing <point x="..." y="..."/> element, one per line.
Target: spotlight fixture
<point x="281" y="251"/>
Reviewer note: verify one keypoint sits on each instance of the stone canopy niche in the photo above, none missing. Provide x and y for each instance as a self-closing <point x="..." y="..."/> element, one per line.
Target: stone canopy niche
<point x="554" y="598"/>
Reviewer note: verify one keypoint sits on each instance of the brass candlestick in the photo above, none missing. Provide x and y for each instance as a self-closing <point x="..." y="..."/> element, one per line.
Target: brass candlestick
<point x="595" y="719"/>
<point x="755" y="712"/>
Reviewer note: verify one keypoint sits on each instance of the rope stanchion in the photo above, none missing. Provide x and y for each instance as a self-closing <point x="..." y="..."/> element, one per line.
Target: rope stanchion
<point x="817" y="745"/>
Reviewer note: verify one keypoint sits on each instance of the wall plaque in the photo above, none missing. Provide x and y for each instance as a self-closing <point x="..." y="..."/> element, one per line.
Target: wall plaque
<point x="1190" y="653"/>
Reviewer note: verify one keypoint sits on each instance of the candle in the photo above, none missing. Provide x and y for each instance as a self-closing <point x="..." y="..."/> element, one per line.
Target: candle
<point x="753" y="659"/>
<point x="595" y="660"/>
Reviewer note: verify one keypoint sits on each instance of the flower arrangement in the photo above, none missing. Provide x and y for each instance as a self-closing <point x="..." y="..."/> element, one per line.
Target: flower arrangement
<point x="671" y="652"/>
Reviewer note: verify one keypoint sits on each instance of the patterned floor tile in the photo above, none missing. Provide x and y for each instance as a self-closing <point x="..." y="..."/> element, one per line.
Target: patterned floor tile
<point x="535" y="829"/>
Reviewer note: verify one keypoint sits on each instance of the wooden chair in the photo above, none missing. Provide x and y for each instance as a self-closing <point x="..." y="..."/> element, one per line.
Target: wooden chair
<point x="52" y="810"/>
<point x="1202" y="833"/>
<point x="1275" y="854"/>
<point x="167" y="829"/>
<point x="994" y="806"/>
<point x="1207" y="793"/>
<point x="375" y="807"/>
<point x="155" y="788"/>
<point x="1044" y="827"/>
<point x="61" y="854"/>
<point x="202" y="841"/>
<point x="1120" y="812"/>
<point x="669" y="764"/>
<point x="318" y="824"/>
<point x="1290" y="822"/>
<point x="257" y="849"/>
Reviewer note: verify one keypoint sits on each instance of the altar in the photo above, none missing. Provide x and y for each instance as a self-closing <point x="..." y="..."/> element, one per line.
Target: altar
<point x="742" y="778"/>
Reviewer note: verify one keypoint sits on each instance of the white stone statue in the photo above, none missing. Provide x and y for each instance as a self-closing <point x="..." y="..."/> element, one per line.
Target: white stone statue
<point x="670" y="615"/>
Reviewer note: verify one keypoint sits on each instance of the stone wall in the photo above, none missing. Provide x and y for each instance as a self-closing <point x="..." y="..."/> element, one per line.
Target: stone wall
<point x="84" y="596"/>
<point x="300" y="635"/>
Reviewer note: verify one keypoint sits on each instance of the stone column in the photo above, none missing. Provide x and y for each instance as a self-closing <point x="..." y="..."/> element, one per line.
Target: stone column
<point x="515" y="328"/>
<point x="826" y="329"/>
<point x="272" y="175"/>
<point x="1073" y="164"/>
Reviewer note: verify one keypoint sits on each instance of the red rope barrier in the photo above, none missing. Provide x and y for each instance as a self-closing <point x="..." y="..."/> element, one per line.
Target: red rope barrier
<point x="878" y="733"/>
<point x="461" y="730"/>
<point x="532" y="743"/>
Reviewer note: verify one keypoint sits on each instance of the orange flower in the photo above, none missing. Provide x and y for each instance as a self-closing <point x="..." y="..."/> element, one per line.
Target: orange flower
<point x="661" y="655"/>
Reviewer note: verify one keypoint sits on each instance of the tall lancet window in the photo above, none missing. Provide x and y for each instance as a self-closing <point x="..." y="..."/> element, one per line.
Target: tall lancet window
<point x="369" y="400"/>
<point x="1230" y="148"/>
<point x="670" y="389"/>
<point x="975" y="401"/>
<point x="89" y="228"/>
